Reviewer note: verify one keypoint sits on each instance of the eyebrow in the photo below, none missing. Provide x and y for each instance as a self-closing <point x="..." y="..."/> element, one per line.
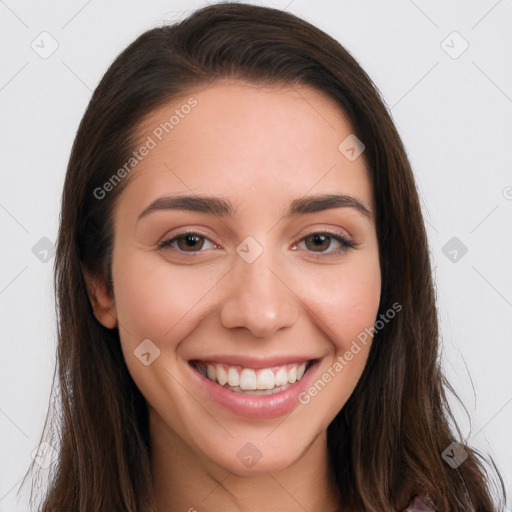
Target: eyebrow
<point x="224" y="208"/>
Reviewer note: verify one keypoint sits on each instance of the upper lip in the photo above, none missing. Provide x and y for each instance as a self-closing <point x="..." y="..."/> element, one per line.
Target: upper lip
<point x="254" y="362"/>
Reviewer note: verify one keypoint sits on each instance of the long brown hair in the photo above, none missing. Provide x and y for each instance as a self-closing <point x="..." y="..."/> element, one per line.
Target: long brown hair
<point x="386" y="443"/>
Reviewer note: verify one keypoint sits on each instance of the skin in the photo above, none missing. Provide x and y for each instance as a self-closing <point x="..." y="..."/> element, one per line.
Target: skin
<point x="259" y="147"/>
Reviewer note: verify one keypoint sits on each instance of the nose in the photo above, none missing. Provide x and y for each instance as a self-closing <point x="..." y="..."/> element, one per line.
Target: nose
<point x="260" y="299"/>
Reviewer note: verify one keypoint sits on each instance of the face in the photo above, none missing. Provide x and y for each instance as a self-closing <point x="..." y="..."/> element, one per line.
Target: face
<point x="238" y="308"/>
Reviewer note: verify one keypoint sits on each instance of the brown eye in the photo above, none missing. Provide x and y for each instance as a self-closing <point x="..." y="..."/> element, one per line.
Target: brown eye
<point x="322" y="243"/>
<point x="187" y="242"/>
<point x="190" y="241"/>
<point x="319" y="241"/>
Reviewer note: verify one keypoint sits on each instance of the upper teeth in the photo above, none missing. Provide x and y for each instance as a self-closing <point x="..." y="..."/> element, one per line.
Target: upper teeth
<point x="249" y="379"/>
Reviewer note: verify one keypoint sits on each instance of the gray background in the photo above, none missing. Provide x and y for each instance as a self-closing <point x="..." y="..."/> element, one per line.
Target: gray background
<point x="451" y="105"/>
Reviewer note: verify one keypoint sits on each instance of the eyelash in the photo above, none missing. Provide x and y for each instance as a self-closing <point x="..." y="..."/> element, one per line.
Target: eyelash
<point x="343" y="241"/>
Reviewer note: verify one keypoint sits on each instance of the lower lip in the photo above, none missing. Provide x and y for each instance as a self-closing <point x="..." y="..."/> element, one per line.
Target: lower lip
<point x="256" y="406"/>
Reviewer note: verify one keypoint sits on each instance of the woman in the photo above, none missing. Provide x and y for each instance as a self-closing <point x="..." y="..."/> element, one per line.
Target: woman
<point x="247" y="316"/>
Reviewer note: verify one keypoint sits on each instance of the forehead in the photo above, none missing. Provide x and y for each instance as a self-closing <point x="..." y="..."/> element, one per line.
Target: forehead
<point x="248" y="142"/>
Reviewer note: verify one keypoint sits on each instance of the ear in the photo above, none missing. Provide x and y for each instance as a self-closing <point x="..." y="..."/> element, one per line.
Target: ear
<point x="101" y="299"/>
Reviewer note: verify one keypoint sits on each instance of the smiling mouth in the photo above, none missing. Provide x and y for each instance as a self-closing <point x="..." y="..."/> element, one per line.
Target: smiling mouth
<point x="263" y="381"/>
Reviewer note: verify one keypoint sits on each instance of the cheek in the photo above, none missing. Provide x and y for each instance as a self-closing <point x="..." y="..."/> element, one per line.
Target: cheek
<point x="155" y="300"/>
<point x="344" y="299"/>
<point x="162" y="303"/>
<point x="345" y="305"/>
